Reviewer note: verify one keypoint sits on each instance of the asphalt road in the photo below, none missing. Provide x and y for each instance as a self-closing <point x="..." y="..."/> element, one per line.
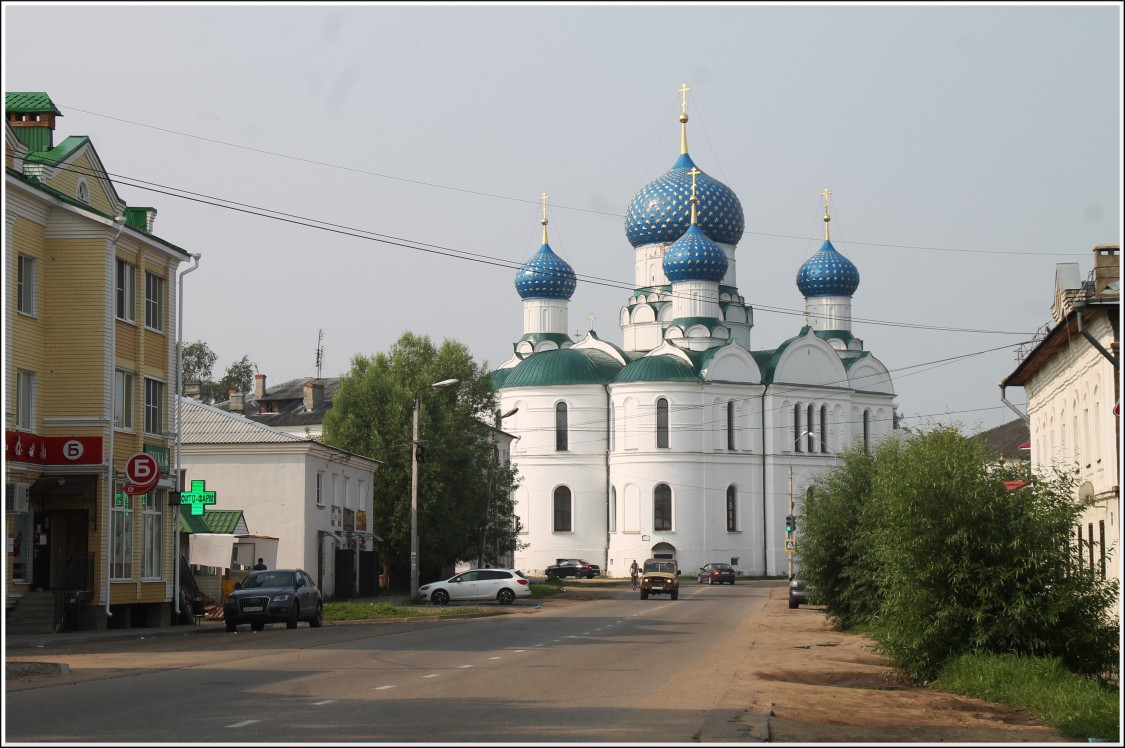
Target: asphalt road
<point x="617" y="669"/>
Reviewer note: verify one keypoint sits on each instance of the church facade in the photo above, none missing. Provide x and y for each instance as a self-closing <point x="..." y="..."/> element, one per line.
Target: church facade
<point x="685" y="440"/>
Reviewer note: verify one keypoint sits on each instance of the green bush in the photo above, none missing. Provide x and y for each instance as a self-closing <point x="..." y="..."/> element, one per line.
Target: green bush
<point x="924" y="542"/>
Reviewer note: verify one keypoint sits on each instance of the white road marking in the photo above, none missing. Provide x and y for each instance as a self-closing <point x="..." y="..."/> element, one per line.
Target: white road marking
<point x="464" y="666"/>
<point x="322" y="703"/>
<point x="383" y="688"/>
<point x="431" y="675"/>
<point x="494" y="658"/>
<point x="244" y="723"/>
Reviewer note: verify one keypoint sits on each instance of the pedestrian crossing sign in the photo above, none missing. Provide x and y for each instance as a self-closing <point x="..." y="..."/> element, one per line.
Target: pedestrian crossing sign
<point x="790" y="545"/>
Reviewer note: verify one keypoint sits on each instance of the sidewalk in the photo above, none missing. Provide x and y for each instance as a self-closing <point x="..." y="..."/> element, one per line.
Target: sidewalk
<point x="54" y="641"/>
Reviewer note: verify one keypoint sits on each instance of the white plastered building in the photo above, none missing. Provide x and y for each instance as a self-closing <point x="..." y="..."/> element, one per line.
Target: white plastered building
<point x="686" y="441"/>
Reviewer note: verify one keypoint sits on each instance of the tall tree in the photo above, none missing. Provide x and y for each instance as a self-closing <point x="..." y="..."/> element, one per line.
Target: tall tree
<point x="372" y="414"/>
<point x="198" y="363"/>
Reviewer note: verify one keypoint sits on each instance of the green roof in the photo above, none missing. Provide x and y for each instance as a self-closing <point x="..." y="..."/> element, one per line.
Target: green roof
<point x="32" y="102"/>
<point x="212" y="520"/>
<point x="499" y="376"/>
<point x="59" y="153"/>
<point x="661" y="368"/>
<point x="563" y="366"/>
<point x="841" y="335"/>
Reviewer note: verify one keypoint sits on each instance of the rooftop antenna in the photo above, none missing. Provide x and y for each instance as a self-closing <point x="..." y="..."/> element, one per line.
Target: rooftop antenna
<point x="319" y="351"/>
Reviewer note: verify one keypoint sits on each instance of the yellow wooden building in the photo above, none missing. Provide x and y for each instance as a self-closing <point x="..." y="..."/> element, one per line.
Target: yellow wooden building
<point x="90" y="377"/>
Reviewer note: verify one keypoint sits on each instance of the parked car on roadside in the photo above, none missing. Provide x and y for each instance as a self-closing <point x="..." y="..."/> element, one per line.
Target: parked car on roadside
<point x="573" y="567"/>
<point x="274" y="596"/>
<point x="798" y="593"/>
<point x="716" y="574"/>
<point x="501" y="585"/>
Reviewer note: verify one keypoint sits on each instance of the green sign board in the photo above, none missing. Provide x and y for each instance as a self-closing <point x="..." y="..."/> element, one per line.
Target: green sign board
<point x="162" y="457"/>
<point x="197" y="497"/>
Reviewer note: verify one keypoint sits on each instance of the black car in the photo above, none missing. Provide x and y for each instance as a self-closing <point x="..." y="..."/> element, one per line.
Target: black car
<point x="717" y="574"/>
<point x="573" y="567"/>
<point x="798" y="593"/>
<point x="274" y="596"/>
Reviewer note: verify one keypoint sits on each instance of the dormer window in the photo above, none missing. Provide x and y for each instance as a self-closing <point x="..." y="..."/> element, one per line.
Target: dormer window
<point x="83" y="192"/>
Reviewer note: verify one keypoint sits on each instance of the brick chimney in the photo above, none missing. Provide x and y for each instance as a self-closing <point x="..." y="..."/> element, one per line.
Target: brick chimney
<point x="314" y="395"/>
<point x="259" y="385"/>
<point x="237" y="402"/>
<point x="193" y="389"/>
<point x="1107" y="267"/>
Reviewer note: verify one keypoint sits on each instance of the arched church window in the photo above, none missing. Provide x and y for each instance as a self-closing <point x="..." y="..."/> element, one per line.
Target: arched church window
<point x="564" y="519"/>
<point x="662" y="423"/>
<point x="866" y="430"/>
<point x="811" y="436"/>
<point x="797" y="427"/>
<point x="824" y="429"/>
<point x="730" y="425"/>
<point x="562" y="442"/>
<point x="662" y="508"/>
<point x="732" y="509"/>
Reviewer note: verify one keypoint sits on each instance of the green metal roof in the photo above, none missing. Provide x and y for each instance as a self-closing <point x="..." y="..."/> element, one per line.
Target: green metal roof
<point x="32" y="102"/>
<point x="563" y="366"/>
<point x="555" y="337"/>
<point x="498" y="378"/>
<point x="709" y="322"/>
<point x="59" y="153"/>
<point x="213" y="520"/>
<point x="848" y="362"/>
<point x="841" y="335"/>
<point x="662" y="368"/>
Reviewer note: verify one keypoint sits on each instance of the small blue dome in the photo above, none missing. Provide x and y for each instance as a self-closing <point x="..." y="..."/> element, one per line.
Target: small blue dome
<point x="661" y="210"/>
<point x="545" y="276"/>
<point x="827" y="273"/>
<point x="695" y="257"/>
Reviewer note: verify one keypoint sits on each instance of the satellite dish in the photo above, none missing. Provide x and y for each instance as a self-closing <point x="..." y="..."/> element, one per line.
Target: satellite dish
<point x="1086" y="493"/>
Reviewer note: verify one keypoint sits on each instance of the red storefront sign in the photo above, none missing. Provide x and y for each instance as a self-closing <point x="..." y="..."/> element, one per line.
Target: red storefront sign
<point x="52" y="450"/>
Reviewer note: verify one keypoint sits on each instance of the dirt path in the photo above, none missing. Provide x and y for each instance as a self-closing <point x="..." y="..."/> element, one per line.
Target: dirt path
<point x="802" y="682"/>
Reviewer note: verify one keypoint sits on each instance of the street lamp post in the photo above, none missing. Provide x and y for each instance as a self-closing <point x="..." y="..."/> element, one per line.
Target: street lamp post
<point x="414" y="491"/>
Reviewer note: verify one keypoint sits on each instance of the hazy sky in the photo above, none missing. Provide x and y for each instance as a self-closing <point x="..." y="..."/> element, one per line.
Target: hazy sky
<point x="969" y="149"/>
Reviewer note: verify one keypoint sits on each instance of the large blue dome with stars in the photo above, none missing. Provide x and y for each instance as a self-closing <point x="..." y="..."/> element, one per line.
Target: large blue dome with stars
<point x="695" y="257"/>
<point x="545" y="276"/>
<point x="661" y="210"/>
<point x="827" y="273"/>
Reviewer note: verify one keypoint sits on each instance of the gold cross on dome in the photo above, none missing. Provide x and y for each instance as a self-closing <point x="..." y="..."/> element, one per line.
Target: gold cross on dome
<point x="543" y="199"/>
<point x="826" y="193"/>
<point x="591" y="316"/>
<point x="683" y="91"/>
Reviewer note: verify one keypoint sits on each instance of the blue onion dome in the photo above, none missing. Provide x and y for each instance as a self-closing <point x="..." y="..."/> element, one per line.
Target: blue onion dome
<point x="545" y="276"/>
<point x="660" y="211"/>
<point x="695" y="257"/>
<point x="827" y="273"/>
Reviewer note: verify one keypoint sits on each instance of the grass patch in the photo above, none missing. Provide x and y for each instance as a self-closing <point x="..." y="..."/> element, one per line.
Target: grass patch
<point x="361" y="611"/>
<point x="1079" y="707"/>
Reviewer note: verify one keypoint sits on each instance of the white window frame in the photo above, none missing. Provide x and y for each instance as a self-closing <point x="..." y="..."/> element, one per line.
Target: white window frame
<point x="124" y="383"/>
<point x="154" y="301"/>
<point x="126" y="296"/>
<point x="26" y="284"/>
<point x="154" y="407"/>
<point x="152" y="536"/>
<point x="82" y="192"/>
<point x="320" y="488"/>
<point x="25" y="400"/>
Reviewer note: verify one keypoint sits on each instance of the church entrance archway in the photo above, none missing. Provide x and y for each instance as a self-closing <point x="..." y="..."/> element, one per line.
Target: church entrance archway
<point x="663" y="550"/>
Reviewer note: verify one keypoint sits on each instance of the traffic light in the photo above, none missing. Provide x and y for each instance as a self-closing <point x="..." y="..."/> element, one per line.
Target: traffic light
<point x="790" y="525"/>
